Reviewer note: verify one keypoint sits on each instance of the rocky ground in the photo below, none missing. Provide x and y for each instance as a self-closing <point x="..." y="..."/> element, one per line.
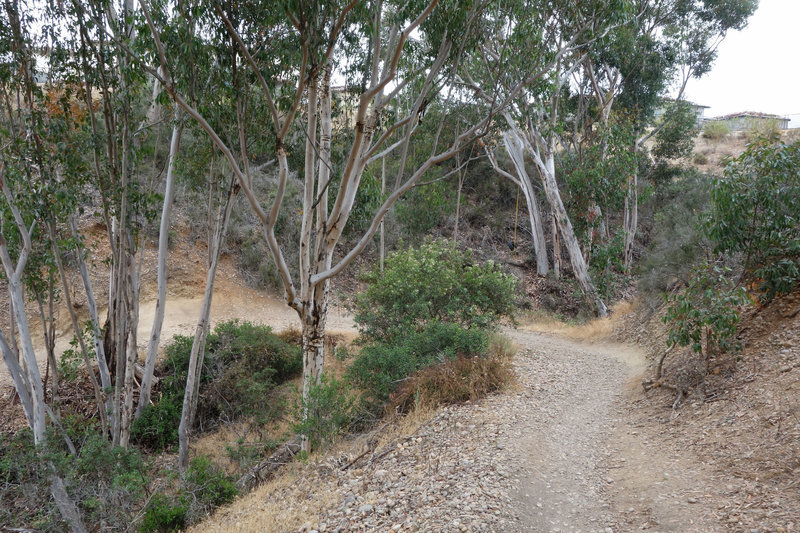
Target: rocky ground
<point x="564" y="449"/>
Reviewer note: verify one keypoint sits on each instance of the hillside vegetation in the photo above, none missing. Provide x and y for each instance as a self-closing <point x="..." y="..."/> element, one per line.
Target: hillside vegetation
<point x="386" y="171"/>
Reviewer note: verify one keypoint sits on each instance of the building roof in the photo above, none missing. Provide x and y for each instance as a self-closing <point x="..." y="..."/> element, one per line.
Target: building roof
<point x="749" y="114"/>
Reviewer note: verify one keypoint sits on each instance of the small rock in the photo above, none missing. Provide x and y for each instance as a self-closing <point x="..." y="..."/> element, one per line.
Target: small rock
<point x="367" y="508"/>
<point x="692" y="500"/>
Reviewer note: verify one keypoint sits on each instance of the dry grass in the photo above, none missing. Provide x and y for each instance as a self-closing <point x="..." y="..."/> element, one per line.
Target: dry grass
<point x="291" y="499"/>
<point x="457" y="380"/>
<point x="596" y="329"/>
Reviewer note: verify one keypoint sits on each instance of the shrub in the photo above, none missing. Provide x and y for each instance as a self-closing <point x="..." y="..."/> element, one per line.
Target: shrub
<point x="677" y="240"/>
<point x="329" y="410"/>
<point x="162" y="515"/>
<point x="700" y="159"/>
<point x="206" y="487"/>
<point x="157" y="427"/>
<point x="763" y="129"/>
<point x="607" y="269"/>
<point x="755" y="214"/>
<point x="422" y="208"/>
<point x="380" y="368"/>
<point x="706" y="314"/>
<point x="455" y="380"/>
<point x="203" y="488"/>
<point x="243" y="364"/>
<point x="246" y="362"/>
<point x="715" y="130"/>
<point x="435" y="282"/>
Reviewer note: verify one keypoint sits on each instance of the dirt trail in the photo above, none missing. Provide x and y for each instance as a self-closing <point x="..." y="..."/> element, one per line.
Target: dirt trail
<point x="587" y="463"/>
<point x="562" y="450"/>
<point x="231" y="300"/>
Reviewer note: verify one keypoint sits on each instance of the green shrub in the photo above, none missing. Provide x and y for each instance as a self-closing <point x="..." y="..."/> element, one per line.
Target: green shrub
<point x="157" y="427"/>
<point x="422" y="208"/>
<point x="608" y="272"/>
<point x="162" y="515"/>
<point x="706" y="314"/>
<point x="763" y="129"/>
<point x="329" y="410"/>
<point x="256" y="346"/>
<point x="243" y="364"/>
<point x="435" y="282"/>
<point x="755" y="214"/>
<point x="715" y="130"/>
<point x="205" y="487"/>
<point x="677" y="240"/>
<point x="380" y="368"/>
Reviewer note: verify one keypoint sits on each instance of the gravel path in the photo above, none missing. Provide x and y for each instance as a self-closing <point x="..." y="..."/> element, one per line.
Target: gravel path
<point x="560" y="451"/>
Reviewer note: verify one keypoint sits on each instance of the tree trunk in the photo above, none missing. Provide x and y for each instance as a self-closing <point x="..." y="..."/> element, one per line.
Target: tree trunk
<point x="556" y="248"/>
<point x="631" y="218"/>
<point x="163" y="251"/>
<point x="458" y="207"/>
<point x="76" y="328"/>
<point x="313" y="349"/>
<point x="94" y="319"/>
<point x="579" y="269"/>
<point x="515" y="149"/>
<point x="69" y="511"/>
<point x="382" y="251"/>
<point x="201" y="330"/>
<point x="33" y="377"/>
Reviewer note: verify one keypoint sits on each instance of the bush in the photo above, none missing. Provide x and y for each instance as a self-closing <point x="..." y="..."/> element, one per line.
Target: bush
<point x="715" y="130"/>
<point x="329" y="410"/>
<point x="700" y="159"/>
<point x="157" y="427"/>
<point x="755" y="214"/>
<point x="107" y="482"/>
<point x="162" y="515"/>
<point x="706" y="314"/>
<point x="763" y="129"/>
<point x="422" y="208"/>
<point x="244" y="362"/>
<point x="677" y="240"/>
<point x="456" y="380"/>
<point x="435" y="282"/>
<point x="608" y="272"/>
<point x="380" y="368"/>
<point x="206" y="487"/>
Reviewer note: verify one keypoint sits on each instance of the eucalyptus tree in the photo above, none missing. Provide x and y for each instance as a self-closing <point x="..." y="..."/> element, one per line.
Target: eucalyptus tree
<point x="122" y="181"/>
<point x="535" y="123"/>
<point x="399" y="58"/>
<point x="664" y="45"/>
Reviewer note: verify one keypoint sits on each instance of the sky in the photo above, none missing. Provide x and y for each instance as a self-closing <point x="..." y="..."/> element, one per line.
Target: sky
<point x="756" y="68"/>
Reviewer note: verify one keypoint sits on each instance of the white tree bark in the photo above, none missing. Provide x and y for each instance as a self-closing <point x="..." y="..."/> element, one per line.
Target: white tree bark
<point x="31" y="377"/>
<point x="163" y="252"/>
<point x="201" y="330"/>
<point x="516" y="152"/>
<point x="543" y="153"/>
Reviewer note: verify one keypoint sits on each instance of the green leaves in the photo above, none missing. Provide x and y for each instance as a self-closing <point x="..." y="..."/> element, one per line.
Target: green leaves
<point x="435" y="282"/>
<point x="756" y="213"/>
<point x="706" y="312"/>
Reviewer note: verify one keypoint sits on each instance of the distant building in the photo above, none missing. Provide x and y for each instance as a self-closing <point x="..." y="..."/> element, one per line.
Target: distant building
<point x="747" y="120"/>
<point x="667" y="103"/>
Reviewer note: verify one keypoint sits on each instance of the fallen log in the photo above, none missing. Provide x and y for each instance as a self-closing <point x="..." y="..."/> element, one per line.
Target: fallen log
<point x="266" y="469"/>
